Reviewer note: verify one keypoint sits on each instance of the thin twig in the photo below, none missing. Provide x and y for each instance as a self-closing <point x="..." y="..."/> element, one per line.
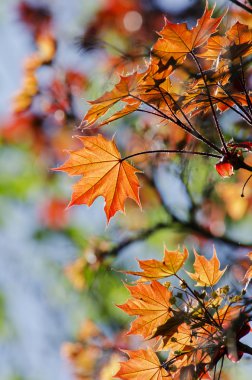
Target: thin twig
<point x="245" y="87"/>
<point x="172" y="151"/>
<point x="222" y="362"/>
<point x="180" y="124"/>
<point x="249" y="121"/>
<point x="241" y="5"/>
<point x="211" y="104"/>
<point x="235" y="102"/>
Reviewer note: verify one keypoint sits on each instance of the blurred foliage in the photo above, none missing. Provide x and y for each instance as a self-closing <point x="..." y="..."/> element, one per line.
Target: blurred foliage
<point x="184" y="200"/>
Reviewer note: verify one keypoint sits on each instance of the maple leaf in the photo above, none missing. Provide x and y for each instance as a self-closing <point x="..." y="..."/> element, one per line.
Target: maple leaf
<point x="181" y="339"/>
<point x="154" y="269"/>
<point x="129" y="108"/>
<point x="121" y="91"/>
<point x="170" y="327"/>
<point x="104" y="174"/>
<point x="207" y="272"/>
<point x="240" y="38"/>
<point x="151" y="303"/>
<point x="227" y="314"/>
<point x="177" y="40"/>
<point x="142" y="364"/>
<point x="214" y="47"/>
<point x="197" y="102"/>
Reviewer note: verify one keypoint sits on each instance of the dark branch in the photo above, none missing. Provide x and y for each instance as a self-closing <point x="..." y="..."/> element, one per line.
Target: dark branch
<point x="241" y="5"/>
<point x="172" y="151"/>
<point x="244" y="348"/>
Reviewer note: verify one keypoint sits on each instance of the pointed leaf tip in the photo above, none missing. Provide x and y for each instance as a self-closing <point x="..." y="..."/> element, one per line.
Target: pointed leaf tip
<point x="207" y="272"/>
<point x="103" y="174"/>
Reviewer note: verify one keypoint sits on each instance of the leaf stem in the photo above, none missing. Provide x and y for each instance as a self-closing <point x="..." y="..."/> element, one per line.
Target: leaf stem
<point x="196" y="134"/>
<point x="172" y="151"/>
<point x="245" y="87"/>
<point x="248" y="120"/>
<point x="180" y="124"/>
<point x="222" y="362"/>
<point x="243" y="187"/>
<point x="217" y="125"/>
<point x="199" y="301"/>
<point x="235" y="102"/>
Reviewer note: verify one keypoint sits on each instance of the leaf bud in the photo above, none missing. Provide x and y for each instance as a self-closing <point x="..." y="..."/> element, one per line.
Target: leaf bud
<point x="214" y="294"/>
<point x="177" y="352"/>
<point x="167" y="284"/>
<point x="179" y="295"/>
<point x="235" y="299"/>
<point x="225" y="289"/>
<point x="183" y="284"/>
<point x="173" y="339"/>
<point x="173" y="368"/>
<point x="172" y="300"/>
<point x="202" y="295"/>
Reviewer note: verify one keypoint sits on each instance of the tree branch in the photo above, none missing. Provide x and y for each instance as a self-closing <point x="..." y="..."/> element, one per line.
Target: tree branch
<point x="241" y="5"/>
<point x="244" y="348"/>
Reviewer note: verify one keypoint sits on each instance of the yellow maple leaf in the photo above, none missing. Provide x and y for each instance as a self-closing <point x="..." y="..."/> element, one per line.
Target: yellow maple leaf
<point x="154" y="269"/>
<point x="207" y="272"/>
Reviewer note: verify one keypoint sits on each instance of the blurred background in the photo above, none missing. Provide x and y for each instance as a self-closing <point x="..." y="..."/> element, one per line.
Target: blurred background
<point x="58" y="284"/>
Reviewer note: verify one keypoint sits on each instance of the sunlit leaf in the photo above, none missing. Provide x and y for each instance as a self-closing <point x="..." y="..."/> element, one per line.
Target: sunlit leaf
<point x="154" y="269"/>
<point x="177" y="40"/>
<point x="151" y="303"/>
<point x="104" y="174"/>
<point x="207" y="272"/>
<point x="142" y="364"/>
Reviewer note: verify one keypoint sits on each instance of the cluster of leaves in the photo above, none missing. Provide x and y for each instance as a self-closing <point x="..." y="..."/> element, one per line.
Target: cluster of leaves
<point x="168" y="92"/>
<point x="94" y="355"/>
<point x="39" y="21"/>
<point x="192" y="76"/>
<point x="193" y="329"/>
<point x="191" y="73"/>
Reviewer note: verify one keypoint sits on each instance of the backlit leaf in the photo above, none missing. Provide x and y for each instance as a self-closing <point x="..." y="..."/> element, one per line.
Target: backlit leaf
<point x="177" y="40"/>
<point x="240" y="37"/>
<point x="207" y="272"/>
<point x="121" y="91"/>
<point x="104" y="174"/>
<point x="151" y="303"/>
<point x="142" y="364"/>
<point x="154" y="269"/>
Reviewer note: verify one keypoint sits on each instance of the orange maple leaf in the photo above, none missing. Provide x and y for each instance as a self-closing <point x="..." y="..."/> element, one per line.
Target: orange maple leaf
<point x="151" y="303"/>
<point x="180" y="339"/>
<point x="104" y="174"/>
<point x="142" y="364"/>
<point x="240" y="37"/>
<point x="154" y="269"/>
<point x="235" y="44"/>
<point x="177" y="40"/>
<point x="214" y="47"/>
<point x="121" y="91"/>
<point x="227" y="314"/>
<point x="207" y="272"/>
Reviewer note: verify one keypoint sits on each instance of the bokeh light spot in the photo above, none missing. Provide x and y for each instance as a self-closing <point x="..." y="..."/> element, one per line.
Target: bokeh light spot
<point x="132" y="21"/>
